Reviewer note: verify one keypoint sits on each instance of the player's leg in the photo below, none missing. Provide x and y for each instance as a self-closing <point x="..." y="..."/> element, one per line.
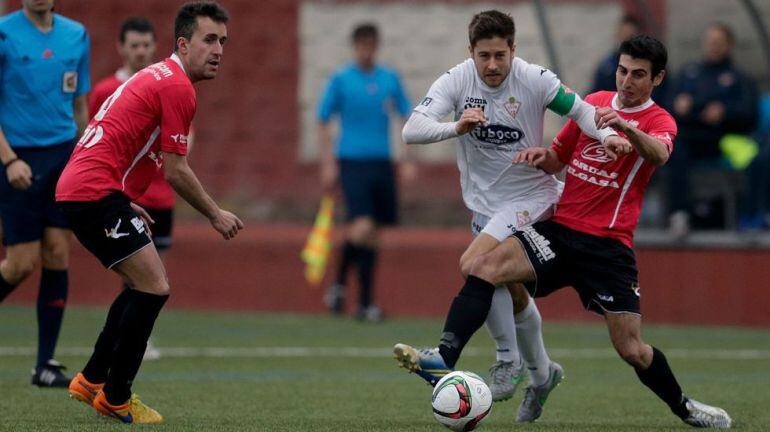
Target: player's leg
<point x="653" y="371"/>
<point x="529" y="330"/>
<point x="161" y="238"/>
<point x="506" y="262"/>
<point x="115" y="234"/>
<point x="51" y="302"/>
<point x="354" y="194"/>
<point x="19" y="262"/>
<point x="506" y="372"/>
<point x="364" y="238"/>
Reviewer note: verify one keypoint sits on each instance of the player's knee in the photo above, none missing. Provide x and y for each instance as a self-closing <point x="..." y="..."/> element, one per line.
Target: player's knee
<point x="485" y="266"/>
<point x="17" y="270"/>
<point x="465" y="265"/>
<point x="55" y="256"/>
<point x="632" y="353"/>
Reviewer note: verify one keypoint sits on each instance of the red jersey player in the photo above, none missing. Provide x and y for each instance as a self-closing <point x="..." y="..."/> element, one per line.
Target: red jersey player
<point x="136" y="46"/>
<point x="587" y="244"/>
<point x="140" y="128"/>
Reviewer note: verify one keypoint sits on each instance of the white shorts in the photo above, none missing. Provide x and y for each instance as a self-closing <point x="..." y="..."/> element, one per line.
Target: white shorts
<point x="507" y="221"/>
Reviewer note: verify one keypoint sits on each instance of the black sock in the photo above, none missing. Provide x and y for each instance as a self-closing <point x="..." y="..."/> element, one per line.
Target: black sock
<point x="134" y="330"/>
<point x="348" y="256"/>
<point x="468" y="312"/>
<point x="51" y="301"/>
<point x="660" y="379"/>
<point x="5" y="288"/>
<point x="99" y="364"/>
<point x="367" y="261"/>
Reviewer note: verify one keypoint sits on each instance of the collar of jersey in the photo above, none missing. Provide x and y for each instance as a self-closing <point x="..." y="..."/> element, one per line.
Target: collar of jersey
<point x="642" y="107"/>
<point x="178" y="61"/>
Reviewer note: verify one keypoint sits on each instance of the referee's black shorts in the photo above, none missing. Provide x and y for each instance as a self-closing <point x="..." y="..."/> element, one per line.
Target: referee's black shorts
<point x="602" y="270"/>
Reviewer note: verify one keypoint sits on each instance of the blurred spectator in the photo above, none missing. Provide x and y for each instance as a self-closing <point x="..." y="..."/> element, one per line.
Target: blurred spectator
<point x="755" y="207"/>
<point x="710" y="98"/>
<point x="604" y="77"/>
<point x="362" y="93"/>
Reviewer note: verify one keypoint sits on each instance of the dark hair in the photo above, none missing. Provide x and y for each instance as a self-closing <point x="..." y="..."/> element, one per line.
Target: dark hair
<point x="365" y="31"/>
<point x="725" y="29"/>
<point x="187" y="18"/>
<point x="646" y="48"/>
<point x="135" y="24"/>
<point x="491" y="23"/>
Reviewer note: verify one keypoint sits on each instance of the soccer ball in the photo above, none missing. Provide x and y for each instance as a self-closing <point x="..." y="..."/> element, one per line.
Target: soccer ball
<point x="461" y="400"/>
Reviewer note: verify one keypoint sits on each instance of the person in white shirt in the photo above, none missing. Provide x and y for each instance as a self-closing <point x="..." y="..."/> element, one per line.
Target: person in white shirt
<point x="499" y="103"/>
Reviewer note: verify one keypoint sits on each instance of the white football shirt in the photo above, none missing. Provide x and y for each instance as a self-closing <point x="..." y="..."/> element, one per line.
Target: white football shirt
<point x="515" y="113"/>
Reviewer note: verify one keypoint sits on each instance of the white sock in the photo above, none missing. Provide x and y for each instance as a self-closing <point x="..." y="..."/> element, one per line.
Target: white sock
<point x="529" y="330"/>
<point x="501" y="326"/>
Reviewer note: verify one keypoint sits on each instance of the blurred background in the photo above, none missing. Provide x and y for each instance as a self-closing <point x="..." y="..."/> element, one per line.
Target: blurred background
<point x="256" y="152"/>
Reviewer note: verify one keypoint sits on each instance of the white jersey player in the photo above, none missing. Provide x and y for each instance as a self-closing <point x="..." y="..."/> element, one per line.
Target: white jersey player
<point x="499" y="103"/>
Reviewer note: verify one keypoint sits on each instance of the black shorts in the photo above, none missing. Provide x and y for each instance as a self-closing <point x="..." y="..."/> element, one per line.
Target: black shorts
<point x="369" y="187"/>
<point x="109" y="228"/>
<point x="25" y="214"/>
<point x="602" y="270"/>
<point x="161" y="229"/>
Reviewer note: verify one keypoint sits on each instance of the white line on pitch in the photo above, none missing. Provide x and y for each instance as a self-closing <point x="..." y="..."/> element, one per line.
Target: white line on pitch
<point x="357" y="352"/>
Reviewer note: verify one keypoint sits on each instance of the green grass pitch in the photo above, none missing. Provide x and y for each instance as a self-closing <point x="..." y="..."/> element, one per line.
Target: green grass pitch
<point x="280" y="372"/>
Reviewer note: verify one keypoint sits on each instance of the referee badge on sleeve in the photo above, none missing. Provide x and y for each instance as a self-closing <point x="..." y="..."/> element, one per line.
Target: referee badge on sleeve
<point x="69" y="82"/>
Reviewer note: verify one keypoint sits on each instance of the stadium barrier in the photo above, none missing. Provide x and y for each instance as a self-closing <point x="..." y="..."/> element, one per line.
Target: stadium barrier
<point x="261" y="270"/>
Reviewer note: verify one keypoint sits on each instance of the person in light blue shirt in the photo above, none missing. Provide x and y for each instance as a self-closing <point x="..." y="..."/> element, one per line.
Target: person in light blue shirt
<point x="44" y="84"/>
<point x="363" y="95"/>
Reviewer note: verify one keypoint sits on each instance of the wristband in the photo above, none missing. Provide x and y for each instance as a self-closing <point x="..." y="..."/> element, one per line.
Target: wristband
<point x="11" y="162"/>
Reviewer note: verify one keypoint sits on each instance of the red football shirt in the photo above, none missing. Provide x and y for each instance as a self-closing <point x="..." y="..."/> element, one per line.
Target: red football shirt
<point x="603" y="197"/>
<point x="120" y="149"/>
<point x="160" y="194"/>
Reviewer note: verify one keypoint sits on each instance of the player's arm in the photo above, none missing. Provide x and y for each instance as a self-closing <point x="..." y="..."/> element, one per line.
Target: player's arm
<point x="184" y="181"/>
<point x="80" y="111"/>
<point x="327" y="107"/>
<point x="650" y="148"/>
<point x="421" y="129"/>
<point x="543" y="158"/>
<point x="569" y="104"/>
<point x="425" y="125"/>
<point x="18" y="172"/>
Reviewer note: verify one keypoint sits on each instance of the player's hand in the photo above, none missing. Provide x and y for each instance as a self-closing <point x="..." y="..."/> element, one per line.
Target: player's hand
<point x="330" y="173"/>
<point x="146" y="218"/>
<point x="226" y="224"/>
<point x="617" y="146"/>
<point x="19" y="175"/>
<point x="470" y="118"/>
<point x="608" y="117"/>
<point x="533" y="156"/>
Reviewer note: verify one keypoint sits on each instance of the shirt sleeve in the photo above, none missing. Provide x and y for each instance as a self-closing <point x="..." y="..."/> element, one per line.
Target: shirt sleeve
<point x="565" y="142"/>
<point x="177" y="111"/>
<point x="84" y="66"/>
<point x="441" y="98"/>
<point x="402" y="102"/>
<point x="663" y="128"/>
<point x="330" y="101"/>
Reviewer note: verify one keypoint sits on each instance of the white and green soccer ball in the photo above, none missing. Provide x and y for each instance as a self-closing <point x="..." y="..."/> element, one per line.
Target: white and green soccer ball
<point x="461" y="400"/>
